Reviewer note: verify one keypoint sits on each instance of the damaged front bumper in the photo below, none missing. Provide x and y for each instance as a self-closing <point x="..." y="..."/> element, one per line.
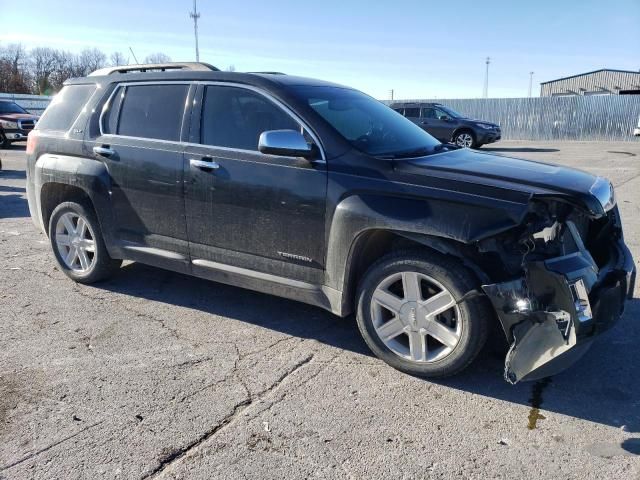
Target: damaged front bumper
<point x="552" y="314"/>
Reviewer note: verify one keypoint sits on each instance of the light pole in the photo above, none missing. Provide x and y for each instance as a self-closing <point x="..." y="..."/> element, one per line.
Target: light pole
<point x="391" y="94"/>
<point x="530" y="83"/>
<point x="195" y="15"/>
<point x="485" y="92"/>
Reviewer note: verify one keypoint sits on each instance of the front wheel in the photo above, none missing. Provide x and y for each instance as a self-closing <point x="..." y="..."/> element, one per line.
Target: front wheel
<point x="465" y="139"/>
<point x="412" y="314"/>
<point x="76" y="239"/>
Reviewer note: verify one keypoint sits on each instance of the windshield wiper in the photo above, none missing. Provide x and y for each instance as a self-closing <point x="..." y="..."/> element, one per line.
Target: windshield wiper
<point x="418" y="152"/>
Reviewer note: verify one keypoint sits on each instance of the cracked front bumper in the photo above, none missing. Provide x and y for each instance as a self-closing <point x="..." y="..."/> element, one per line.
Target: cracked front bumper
<point x="552" y="314"/>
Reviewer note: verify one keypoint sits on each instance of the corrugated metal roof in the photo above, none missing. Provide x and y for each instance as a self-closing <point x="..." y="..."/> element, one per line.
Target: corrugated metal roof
<point x="589" y="73"/>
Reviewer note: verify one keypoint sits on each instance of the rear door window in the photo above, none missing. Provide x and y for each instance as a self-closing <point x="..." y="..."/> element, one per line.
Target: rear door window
<point x="148" y="111"/>
<point x="65" y="107"/>
<point x="412" y="112"/>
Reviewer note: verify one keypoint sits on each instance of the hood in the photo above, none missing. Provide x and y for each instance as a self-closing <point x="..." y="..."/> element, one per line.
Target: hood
<point x="517" y="174"/>
<point x="18" y="116"/>
<point x="473" y="120"/>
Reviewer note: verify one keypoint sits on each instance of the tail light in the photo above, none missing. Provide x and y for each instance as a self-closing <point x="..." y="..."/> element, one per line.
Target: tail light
<point x="31" y="142"/>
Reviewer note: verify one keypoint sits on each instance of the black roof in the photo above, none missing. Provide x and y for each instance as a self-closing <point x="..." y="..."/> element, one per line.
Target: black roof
<point x="589" y="73"/>
<point x="258" y="79"/>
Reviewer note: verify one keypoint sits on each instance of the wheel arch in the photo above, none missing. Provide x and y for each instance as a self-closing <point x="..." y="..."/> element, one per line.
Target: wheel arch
<point x="61" y="178"/>
<point x="373" y="244"/>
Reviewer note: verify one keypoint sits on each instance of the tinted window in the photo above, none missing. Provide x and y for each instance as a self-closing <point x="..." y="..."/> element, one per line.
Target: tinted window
<point x="429" y="112"/>
<point x="411" y="112"/>
<point x="153" y="111"/>
<point x="65" y="107"/>
<point x="113" y="109"/>
<point x="235" y="117"/>
<point x="366" y="123"/>
<point x="10" y="107"/>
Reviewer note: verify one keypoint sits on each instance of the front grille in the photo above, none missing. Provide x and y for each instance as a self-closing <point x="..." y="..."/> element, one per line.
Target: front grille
<point x="26" y="124"/>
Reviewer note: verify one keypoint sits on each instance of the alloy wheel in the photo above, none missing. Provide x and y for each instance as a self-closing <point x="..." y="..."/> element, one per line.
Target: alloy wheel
<point x="464" y="140"/>
<point x="416" y="317"/>
<point x="75" y="241"/>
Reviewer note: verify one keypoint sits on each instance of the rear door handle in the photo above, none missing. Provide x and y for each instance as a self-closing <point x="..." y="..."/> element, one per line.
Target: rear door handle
<point x="104" y="151"/>
<point x="204" y="164"/>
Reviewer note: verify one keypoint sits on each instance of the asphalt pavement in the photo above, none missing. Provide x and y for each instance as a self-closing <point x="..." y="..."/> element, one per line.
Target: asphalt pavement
<point x="155" y="374"/>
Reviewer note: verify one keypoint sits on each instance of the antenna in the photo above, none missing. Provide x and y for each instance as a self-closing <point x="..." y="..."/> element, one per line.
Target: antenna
<point x="134" y="55"/>
<point x="195" y="15"/>
<point x="485" y="92"/>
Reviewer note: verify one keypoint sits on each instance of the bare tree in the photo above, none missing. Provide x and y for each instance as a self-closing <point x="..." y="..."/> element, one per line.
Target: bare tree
<point x="89" y="60"/>
<point x="44" y="62"/>
<point x="117" y="59"/>
<point x="157" y="58"/>
<point x="14" y="76"/>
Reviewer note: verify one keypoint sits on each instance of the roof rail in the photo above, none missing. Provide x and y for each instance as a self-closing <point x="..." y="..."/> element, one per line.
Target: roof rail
<point x="156" y="67"/>
<point x="268" y="73"/>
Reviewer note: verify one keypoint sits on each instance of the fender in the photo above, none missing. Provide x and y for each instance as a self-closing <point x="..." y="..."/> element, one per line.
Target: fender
<point x="412" y="218"/>
<point x="89" y="175"/>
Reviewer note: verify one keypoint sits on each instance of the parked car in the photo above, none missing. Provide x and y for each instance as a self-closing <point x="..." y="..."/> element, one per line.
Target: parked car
<point x="15" y="123"/>
<point x="447" y="125"/>
<point x="319" y="193"/>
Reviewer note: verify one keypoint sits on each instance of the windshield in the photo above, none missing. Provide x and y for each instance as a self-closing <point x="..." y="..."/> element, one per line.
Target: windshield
<point x="450" y="112"/>
<point x="10" y="107"/>
<point x="367" y="124"/>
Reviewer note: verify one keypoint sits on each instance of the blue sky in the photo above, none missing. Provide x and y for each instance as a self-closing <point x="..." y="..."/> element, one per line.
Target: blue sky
<point x="421" y="48"/>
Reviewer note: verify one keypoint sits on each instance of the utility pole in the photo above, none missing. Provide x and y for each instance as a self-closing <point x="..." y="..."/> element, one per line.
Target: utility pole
<point x="195" y="15"/>
<point x="485" y="92"/>
<point x="530" y="82"/>
<point x="391" y="94"/>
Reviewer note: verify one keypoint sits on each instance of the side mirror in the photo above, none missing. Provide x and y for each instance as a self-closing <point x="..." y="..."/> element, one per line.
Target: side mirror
<point x="286" y="143"/>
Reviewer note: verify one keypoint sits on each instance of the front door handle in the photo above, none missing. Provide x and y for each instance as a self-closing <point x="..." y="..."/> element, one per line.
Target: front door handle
<point x="104" y="151"/>
<point x="204" y="164"/>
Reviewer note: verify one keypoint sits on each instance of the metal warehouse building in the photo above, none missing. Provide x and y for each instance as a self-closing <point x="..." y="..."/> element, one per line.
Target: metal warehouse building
<point x="599" y="82"/>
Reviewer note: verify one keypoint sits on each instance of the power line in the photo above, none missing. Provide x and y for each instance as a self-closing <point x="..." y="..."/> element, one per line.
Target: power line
<point x="195" y="15"/>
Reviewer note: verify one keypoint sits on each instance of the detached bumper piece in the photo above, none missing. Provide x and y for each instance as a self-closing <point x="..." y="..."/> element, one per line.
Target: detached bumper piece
<point x="552" y="314"/>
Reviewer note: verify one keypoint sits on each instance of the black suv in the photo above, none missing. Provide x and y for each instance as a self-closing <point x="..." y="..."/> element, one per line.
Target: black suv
<point x="319" y="193"/>
<point x="448" y="125"/>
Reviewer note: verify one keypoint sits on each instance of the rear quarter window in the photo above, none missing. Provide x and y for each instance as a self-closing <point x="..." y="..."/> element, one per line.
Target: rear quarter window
<point x="65" y="107"/>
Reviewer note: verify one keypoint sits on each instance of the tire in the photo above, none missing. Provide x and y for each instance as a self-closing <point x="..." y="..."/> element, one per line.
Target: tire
<point x="90" y="262"/>
<point x="468" y="318"/>
<point x="465" y="138"/>
<point x="4" y="143"/>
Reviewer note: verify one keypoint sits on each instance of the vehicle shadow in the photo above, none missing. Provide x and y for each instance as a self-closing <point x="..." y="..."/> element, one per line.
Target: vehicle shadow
<point x="520" y="149"/>
<point x="13" y="174"/>
<point x="602" y="387"/>
<point x="13" y="205"/>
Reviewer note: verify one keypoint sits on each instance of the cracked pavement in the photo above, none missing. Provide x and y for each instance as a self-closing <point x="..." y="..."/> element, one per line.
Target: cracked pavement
<point x="155" y="374"/>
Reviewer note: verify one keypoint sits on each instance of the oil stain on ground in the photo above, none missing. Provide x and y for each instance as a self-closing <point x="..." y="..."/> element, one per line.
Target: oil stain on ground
<point x="536" y="402"/>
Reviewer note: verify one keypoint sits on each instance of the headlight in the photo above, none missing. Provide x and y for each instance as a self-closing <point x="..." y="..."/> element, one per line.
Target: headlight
<point x="484" y="125"/>
<point x="8" y="124"/>
<point x="603" y="191"/>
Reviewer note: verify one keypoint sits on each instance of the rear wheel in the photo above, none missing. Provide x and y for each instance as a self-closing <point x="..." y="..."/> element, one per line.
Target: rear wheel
<point x="77" y="243"/>
<point x="412" y="315"/>
<point x="465" y="139"/>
